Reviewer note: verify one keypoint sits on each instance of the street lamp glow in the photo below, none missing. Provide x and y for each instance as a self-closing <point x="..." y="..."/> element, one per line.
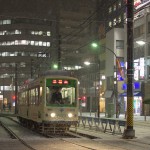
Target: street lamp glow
<point x="141" y="42"/>
<point x="55" y="66"/>
<point x="103" y="77"/>
<point x="95" y="45"/>
<point x="87" y="63"/>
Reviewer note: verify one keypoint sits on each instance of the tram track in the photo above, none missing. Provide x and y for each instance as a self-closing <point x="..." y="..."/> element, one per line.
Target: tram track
<point x="88" y="135"/>
<point x="15" y="136"/>
<point x="64" y="137"/>
<point x="68" y="134"/>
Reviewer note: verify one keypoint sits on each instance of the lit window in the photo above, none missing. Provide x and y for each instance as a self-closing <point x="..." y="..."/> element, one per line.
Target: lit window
<point x="40" y="32"/>
<point x="5" y="33"/>
<point x="115" y="21"/>
<point x="48" y="33"/>
<point x="48" y="43"/>
<point x="110" y="24"/>
<point x="32" y="32"/>
<point x="36" y="43"/>
<point x="8" y="21"/>
<point x="3" y="53"/>
<point x="24" y="42"/>
<point x="17" y="32"/>
<point x="44" y="43"/>
<point x="12" y="54"/>
<point x="16" y="42"/>
<point x="12" y="43"/>
<point x="40" y="43"/>
<point x="4" y="21"/>
<point x="32" y="42"/>
<point x="110" y="9"/>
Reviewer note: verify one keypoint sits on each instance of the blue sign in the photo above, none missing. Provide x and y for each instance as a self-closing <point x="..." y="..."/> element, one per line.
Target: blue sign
<point x="137" y="86"/>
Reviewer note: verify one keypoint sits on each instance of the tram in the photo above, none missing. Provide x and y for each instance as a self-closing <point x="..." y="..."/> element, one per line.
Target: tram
<point x="40" y="107"/>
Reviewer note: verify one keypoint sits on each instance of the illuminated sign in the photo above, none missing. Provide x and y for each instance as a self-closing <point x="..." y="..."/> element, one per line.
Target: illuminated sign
<point x="140" y="3"/>
<point x="59" y="81"/>
<point x="137" y="86"/>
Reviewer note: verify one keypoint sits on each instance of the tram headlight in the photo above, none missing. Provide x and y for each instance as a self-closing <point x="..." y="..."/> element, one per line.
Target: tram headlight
<point x="70" y="115"/>
<point x="53" y="115"/>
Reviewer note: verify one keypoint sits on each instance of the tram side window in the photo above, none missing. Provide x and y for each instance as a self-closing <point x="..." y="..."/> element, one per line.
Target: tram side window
<point x="27" y="98"/>
<point x="21" y="100"/>
<point x="32" y="100"/>
<point x="40" y="94"/>
<point x="34" y="96"/>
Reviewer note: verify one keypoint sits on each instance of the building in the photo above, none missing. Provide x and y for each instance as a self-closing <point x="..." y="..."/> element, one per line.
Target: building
<point x="38" y="35"/>
<point x="112" y="35"/>
<point x="141" y="60"/>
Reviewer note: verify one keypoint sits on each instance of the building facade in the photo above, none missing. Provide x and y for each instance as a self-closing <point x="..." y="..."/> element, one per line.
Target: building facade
<point x="36" y="35"/>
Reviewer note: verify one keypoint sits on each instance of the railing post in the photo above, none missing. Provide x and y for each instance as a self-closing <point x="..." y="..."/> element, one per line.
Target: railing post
<point x="145" y="115"/>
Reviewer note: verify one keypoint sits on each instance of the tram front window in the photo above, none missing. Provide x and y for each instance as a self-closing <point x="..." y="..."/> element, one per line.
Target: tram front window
<point x="56" y="95"/>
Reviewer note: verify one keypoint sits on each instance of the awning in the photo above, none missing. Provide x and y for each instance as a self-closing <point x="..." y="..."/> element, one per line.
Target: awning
<point x="108" y="93"/>
<point x="147" y="101"/>
<point x="134" y="94"/>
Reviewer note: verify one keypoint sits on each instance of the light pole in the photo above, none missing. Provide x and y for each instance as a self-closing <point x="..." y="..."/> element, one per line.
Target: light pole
<point x="97" y="94"/>
<point x="95" y="45"/>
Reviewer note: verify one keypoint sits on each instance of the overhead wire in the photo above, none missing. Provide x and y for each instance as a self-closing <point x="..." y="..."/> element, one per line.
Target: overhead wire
<point x="76" y="32"/>
<point x="95" y="12"/>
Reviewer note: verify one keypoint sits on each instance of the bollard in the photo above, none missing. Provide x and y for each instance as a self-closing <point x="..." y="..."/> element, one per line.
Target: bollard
<point x="145" y="115"/>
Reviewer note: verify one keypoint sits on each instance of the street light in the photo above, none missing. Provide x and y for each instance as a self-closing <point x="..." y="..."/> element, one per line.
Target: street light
<point x="98" y="105"/>
<point x="87" y="63"/>
<point x="95" y="45"/>
<point x="141" y="42"/>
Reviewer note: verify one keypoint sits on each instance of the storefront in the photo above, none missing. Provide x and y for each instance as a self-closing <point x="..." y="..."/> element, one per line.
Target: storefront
<point x="137" y="98"/>
<point x="137" y="104"/>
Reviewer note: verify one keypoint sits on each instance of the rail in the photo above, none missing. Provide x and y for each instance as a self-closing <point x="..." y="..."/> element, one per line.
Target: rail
<point x="113" y="125"/>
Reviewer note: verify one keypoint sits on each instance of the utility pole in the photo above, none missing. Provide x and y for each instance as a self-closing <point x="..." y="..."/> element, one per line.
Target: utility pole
<point x="31" y="68"/>
<point x="99" y="88"/>
<point x="59" y="53"/>
<point x="129" y="131"/>
<point x="16" y="88"/>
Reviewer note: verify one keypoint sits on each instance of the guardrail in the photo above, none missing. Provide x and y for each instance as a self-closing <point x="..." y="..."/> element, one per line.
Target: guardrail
<point x="113" y="125"/>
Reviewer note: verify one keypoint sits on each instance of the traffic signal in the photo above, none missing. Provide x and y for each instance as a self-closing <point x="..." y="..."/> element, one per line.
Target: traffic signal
<point x="83" y="98"/>
<point x="13" y="97"/>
